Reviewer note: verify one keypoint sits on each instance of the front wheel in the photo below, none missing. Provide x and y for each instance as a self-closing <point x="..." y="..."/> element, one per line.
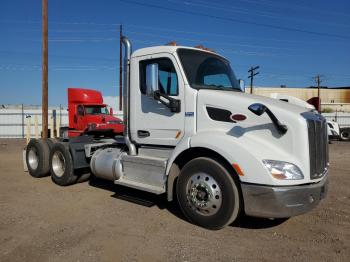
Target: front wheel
<point x="207" y="194"/>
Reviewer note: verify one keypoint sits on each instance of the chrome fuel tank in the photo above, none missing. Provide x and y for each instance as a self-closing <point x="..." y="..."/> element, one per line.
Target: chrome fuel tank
<point x="106" y="163"/>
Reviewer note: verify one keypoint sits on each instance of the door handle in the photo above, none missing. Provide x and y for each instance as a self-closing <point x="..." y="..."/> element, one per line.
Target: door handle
<point x="142" y="133"/>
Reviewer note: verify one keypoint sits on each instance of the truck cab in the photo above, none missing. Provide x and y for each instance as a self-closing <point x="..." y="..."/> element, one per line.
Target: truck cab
<point x="88" y="114"/>
<point x="191" y="133"/>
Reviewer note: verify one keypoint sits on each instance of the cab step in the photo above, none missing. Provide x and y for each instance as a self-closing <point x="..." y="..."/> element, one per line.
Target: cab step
<point x="144" y="173"/>
<point x="140" y="186"/>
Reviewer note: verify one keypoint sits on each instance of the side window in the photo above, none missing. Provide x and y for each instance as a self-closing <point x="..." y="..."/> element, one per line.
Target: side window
<point x="80" y="110"/>
<point x="167" y="77"/>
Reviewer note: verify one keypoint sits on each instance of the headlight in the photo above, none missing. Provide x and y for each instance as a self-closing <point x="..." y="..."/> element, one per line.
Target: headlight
<point x="283" y="170"/>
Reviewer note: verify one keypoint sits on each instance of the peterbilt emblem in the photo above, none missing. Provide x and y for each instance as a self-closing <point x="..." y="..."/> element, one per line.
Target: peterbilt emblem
<point x="238" y="117"/>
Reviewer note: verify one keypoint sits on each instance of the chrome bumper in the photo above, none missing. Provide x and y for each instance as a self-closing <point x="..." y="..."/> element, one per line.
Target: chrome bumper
<point x="283" y="201"/>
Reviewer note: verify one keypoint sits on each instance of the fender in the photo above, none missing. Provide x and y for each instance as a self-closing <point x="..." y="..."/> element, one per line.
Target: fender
<point x="247" y="152"/>
<point x="236" y="152"/>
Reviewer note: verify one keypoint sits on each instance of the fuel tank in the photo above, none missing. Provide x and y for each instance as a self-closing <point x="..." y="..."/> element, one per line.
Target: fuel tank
<point x="106" y="163"/>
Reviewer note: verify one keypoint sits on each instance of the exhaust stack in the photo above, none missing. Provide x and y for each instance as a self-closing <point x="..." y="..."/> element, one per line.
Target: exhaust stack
<point x="126" y="95"/>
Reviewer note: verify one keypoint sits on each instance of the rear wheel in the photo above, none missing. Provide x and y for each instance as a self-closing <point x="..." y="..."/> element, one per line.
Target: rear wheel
<point x="207" y="194"/>
<point x="61" y="165"/>
<point x="51" y="142"/>
<point x="345" y="134"/>
<point x="37" y="158"/>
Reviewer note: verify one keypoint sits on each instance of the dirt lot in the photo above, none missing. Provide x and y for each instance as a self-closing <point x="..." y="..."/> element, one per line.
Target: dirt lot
<point x="40" y="221"/>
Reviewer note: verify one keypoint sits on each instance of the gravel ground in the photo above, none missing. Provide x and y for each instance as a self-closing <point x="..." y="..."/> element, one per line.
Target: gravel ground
<point x="40" y="221"/>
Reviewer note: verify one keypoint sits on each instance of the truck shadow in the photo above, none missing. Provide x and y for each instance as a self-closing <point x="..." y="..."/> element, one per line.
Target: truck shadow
<point x="149" y="200"/>
<point x="137" y="196"/>
<point x="248" y="222"/>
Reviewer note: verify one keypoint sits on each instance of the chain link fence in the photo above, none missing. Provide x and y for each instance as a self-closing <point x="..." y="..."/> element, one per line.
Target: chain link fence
<point x="342" y="118"/>
<point x="15" y="119"/>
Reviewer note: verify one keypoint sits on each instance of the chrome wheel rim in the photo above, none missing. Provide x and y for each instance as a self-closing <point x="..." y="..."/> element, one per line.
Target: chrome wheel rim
<point x="204" y="194"/>
<point x="58" y="164"/>
<point x="33" y="158"/>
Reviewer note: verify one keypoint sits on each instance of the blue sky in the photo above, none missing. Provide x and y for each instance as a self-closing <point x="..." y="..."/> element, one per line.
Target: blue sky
<point x="291" y="41"/>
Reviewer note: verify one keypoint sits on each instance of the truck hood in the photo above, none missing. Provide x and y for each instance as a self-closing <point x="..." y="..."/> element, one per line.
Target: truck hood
<point x="248" y="99"/>
<point x="256" y="133"/>
<point x="104" y="122"/>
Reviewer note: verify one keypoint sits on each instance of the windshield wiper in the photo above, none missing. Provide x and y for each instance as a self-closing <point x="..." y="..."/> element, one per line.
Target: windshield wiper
<point x="215" y="87"/>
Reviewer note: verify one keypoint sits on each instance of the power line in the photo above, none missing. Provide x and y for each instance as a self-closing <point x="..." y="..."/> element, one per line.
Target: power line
<point x="57" y="55"/>
<point x="153" y="28"/>
<point x="145" y="41"/>
<point x="293" y="6"/>
<point x="247" y="11"/>
<point x="233" y="19"/>
<point x="209" y="41"/>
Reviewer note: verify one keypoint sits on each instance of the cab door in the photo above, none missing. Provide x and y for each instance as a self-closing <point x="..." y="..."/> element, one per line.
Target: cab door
<point x="157" y="103"/>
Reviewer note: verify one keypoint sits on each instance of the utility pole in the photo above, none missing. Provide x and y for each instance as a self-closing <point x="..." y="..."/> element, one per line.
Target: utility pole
<point x="318" y="80"/>
<point x="252" y="73"/>
<point x="44" y="108"/>
<point x="120" y="68"/>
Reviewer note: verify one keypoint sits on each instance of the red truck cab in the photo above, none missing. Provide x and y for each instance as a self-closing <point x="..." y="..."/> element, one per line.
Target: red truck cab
<point x="88" y="114"/>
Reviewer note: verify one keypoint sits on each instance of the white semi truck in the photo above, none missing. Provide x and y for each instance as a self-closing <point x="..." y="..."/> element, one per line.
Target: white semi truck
<point x="193" y="134"/>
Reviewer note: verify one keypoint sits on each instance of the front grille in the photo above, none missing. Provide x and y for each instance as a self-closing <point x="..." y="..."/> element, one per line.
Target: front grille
<point x="318" y="144"/>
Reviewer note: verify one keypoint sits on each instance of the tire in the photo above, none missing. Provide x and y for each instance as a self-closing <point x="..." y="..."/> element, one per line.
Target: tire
<point x="51" y="142"/>
<point x="345" y="134"/>
<point x="61" y="165"/>
<point x="37" y="158"/>
<point x="84" y="176"/>
<point x="207" y="194"/>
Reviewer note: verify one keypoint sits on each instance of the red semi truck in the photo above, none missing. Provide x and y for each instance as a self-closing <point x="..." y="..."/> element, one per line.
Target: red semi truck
<point x="89" y="115"/>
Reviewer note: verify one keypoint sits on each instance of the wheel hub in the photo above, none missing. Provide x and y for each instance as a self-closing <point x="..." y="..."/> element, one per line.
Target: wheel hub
<point x="58" y="164"/>
<point x="33" y="158"/>
<point x="204" y="194"/>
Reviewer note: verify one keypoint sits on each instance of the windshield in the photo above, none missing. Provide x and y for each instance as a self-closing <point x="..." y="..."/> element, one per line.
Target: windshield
<point x="96" y="110"/>
<point x="207" y="71"/>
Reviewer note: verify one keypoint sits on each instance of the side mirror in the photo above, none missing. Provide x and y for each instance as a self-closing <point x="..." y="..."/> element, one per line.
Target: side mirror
<point x="173" y="104"/>
<point x="257" y="108"/>
<point x="111" y="111"/>
<point x="151" y="79"/>
<point x="241" y="85"/>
